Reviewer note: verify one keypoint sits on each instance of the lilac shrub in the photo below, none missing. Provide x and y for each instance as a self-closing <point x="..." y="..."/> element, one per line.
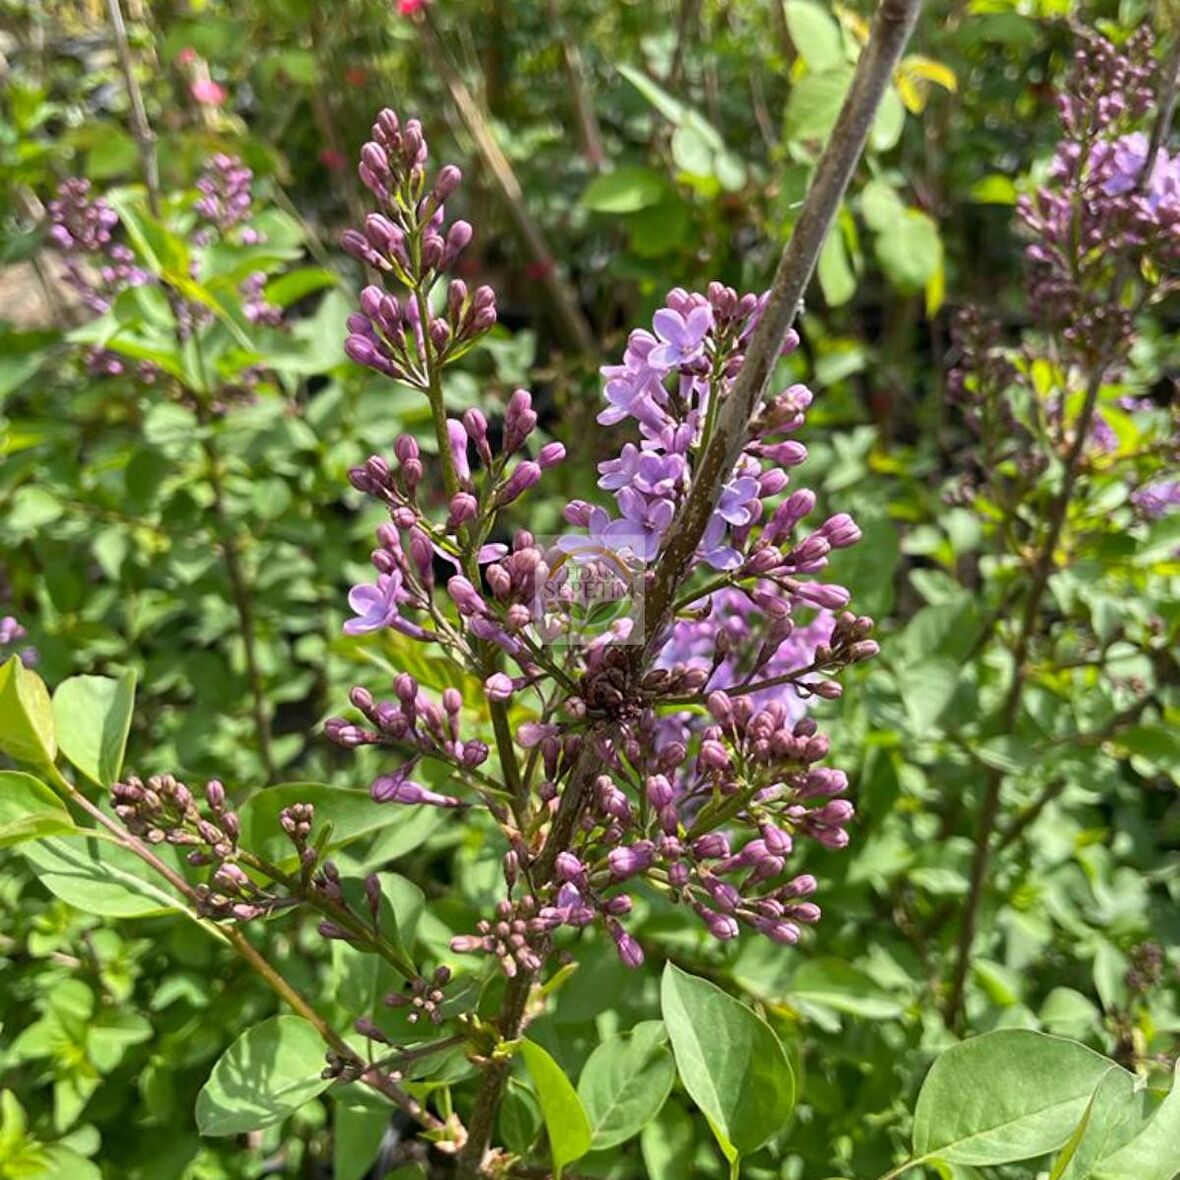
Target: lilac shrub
<point x="712" y="772"/>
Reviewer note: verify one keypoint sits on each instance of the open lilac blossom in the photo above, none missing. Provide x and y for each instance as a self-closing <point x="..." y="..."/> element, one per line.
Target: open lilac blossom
<point x="375" y="606"/>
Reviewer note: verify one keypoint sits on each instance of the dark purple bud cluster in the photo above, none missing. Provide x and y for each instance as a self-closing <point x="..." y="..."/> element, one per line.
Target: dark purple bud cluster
<point x="165" y="811"/>
<point x="410" y="240"/>
<point x="424" y="999"/>
<point x="413" y="724"/>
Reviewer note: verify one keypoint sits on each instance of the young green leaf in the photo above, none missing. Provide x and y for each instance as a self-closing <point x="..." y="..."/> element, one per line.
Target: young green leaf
<point x="97" y="876"/>
<point x="730" y="1060"/>
<point x="565" y="1120"/>
<point x="625" y="1082"/>
<point x="1005" y="1096"/>
<point x="1154" y="1154"/>
<point x="268" y="1073"/>
<point x="93" y="715"/>
<point x="29" y="809"/>
<point x="26" y="716"/>
<point x="1112" y="1117"/>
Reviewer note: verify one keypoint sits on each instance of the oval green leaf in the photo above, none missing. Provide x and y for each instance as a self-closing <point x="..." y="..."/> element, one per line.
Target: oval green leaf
<point x="93" y="715"/>
<point x="268" y="1073"/>
<point x="26" y="716"/>
<point x="730" y="1060"/>
<point x="98" y="876"/>
<point x="1005" y="1096"/>
<point x="1154" y="1154"/>
<point x="625" y="1082"/>
<point x="565" y="1120"/>
<point x="29" y="809"/>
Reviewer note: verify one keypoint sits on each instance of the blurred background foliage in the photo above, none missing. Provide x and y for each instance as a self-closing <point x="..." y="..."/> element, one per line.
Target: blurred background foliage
<point x="634" y="146"/>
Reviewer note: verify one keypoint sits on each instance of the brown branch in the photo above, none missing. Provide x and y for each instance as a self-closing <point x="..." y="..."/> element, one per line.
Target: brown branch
<point x="141" y="129"/>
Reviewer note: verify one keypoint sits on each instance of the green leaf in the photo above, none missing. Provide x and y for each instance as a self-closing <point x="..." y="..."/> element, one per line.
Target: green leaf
<point x="815" y="34"/>
<point x="357" y="1130"/>
<point x="730" y="1060"/>
<point x="625" y="190"/>
<point x="832" y="983"/>
<point x="93" y="715"/>
<point x="519" y="1119"/>
<point x="565" y="1119"/>
<point x="668" y="1144"/>
<point x="98" y="876"/>
<point x="814" y="103"/>
<point x="29" y="809"/>
<point x="267" y="1074"/>
<point x="880" y="205"/>
<point x="1004" y="1096"/>
<point x="625" y="1082"/>
<point x="1154" y="1154"/>
<point x="910" y="251"/>
<point x="1111" y="1118"/>
<point x="26" y="716"/>
<point x="834" y="270"/>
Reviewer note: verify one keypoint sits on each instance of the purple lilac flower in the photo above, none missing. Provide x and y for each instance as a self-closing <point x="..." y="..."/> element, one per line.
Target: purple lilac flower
<point x="1158" y="499"/>
<point x="375" y="606"/>
<point x="1099" y="214"/>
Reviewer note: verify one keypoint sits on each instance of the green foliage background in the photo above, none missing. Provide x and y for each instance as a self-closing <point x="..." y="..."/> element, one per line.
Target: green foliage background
<point x="117" y="505"/>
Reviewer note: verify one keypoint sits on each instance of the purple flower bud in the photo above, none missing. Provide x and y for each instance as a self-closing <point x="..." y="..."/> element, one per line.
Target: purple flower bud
<point x="466" y="597"/>
<point x="499" y="687"/>
<point x="525" y="475"/>
<point x="721" y="926"/>
<point x="446" y="182"/>
<point x="519" y="420"/>
<point x="630" y="859"/>
<point x="659" y="791"/>
<point x="630" y="952"/>
<point x="463" y="507"/>
<point x="550" y="455"/>
<point x="568" y="867"/>
<point x="711" y="846"/>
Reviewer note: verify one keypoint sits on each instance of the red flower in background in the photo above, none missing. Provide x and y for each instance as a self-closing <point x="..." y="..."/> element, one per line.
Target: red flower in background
<point x="410" y="7"/>
<point x="333" y="160"/>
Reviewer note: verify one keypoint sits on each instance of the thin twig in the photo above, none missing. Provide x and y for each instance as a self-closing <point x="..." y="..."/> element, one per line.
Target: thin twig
<point x="141" y="129"/>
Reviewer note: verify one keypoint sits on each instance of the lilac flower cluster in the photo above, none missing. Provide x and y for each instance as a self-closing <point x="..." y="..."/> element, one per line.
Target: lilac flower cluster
<point x="226" y="200"/>
<point x="710" y="770"/>
<point x="1157" y="499"/>
<point x="99" y="268"/>
<point x="82" y="227"/>
<point x="1103" y="208"/>
<point x="410" y="241"/>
